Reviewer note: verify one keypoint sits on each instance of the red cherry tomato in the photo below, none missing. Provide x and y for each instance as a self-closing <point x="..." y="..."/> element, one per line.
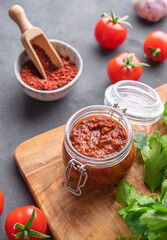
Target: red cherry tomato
<point x="155" y="46"/>
<point x="22" y="215"/>
<point x="110" y="31"/>
<point x="1" y="202"/>
<point x="122" y="67"/>
<point x="109" y="34"/>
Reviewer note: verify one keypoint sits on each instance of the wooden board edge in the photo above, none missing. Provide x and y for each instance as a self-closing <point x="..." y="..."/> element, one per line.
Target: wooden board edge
<point x="15" y="153"/>
<point x="161" y="86"/>
<point x="16" y="150"/>
<point x="29" y="186"/>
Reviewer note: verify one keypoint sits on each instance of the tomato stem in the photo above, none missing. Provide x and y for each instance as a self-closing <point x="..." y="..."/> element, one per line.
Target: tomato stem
<point x="19" y="226"/>
<point x="18" y="235"/>
<point x="34" y="233"/>
<point x="26" y="231"/>
<point x="30" y="221"/>
<point x="155" y="52"/>
<point x="26" y="235"/>
<point x="115" y="19"/>
<point x="127" y="62"/>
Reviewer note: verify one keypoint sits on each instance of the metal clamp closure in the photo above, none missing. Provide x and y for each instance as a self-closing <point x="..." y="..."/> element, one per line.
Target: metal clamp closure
<point x="74" y="165"/>
<point x="124" y="110"/>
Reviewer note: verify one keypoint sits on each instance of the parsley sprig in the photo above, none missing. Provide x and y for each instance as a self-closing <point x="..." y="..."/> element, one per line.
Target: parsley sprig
<point x="132" y="238"/>
<point x="165" y="114"/>
<point x="154" y="154"/>
<point x="147" y="217"/>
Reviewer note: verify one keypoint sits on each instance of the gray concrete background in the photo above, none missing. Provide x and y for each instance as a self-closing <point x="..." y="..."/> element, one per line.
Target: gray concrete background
<point x="22" y="117"/>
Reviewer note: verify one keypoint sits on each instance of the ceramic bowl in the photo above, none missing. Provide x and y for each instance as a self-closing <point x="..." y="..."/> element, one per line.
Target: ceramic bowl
<point x="64" y="50"/>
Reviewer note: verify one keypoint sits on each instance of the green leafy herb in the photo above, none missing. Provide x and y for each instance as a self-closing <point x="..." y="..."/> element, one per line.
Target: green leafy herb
<point x="163" y="141"/>
<point x="154" y="154"/>
<point x="147" y="217"/>
<point x="121" y="238"/>
<point x="154" y="219"/>
<point x="164" y="191"/>
<point x="165" y="114"/>
<point x="140" y="140"/>
<point x="155" y="159"/>
<point x="132" y="238"/>
<point x="126" y="193"/>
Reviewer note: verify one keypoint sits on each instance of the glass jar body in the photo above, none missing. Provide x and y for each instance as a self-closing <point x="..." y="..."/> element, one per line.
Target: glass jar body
<point x="99" y="172"/>
<point x="104" y="175"/>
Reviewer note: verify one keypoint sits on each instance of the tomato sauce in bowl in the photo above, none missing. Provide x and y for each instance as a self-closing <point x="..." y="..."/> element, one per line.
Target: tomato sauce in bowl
<point x="56" y="78"/>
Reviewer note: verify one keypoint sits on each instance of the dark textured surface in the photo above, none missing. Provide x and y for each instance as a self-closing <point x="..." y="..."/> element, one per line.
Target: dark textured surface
<point x="22" y="117"/>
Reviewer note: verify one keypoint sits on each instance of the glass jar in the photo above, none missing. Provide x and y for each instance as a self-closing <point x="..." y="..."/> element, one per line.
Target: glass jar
<point x="141" y="104"/>
<point x="144" y="105"/>
<point x="95" y="172"/>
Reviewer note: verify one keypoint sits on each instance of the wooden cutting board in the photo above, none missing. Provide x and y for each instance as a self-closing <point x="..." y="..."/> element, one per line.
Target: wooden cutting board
<point x="93" y="216"/>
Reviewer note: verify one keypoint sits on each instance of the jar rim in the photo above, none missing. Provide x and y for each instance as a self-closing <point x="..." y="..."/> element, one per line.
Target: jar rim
<point x="114" y="159"/>
<point x="137" y="84"/>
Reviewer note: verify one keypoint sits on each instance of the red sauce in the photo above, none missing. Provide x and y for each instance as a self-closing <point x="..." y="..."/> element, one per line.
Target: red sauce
<point x="99" y="177"/>
<point x="56" y="78"/>
<point x="98" y="137"/>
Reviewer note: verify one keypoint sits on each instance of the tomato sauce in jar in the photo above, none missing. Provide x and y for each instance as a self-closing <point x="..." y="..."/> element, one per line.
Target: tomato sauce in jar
<point x="102" y="144"/>
<point x="98" y="137"/>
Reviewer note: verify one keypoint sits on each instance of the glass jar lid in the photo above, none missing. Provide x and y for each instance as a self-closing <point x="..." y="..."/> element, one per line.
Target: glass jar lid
<point x="144" y="105"/>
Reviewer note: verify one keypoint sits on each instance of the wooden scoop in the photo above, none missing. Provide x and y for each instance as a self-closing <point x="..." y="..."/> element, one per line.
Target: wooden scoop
<point x="33" y="35"/>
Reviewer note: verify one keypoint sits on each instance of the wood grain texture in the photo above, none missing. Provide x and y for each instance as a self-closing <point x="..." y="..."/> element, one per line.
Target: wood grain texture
<point x="93" y="216"/>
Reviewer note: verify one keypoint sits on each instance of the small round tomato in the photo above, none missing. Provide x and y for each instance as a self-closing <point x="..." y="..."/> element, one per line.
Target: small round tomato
<point x="155" y="46"/>
<point x="125" y="66"/>
<point x="22" y="215"/>
<point x="110" y="31"/>
<point x="1" y="202"/>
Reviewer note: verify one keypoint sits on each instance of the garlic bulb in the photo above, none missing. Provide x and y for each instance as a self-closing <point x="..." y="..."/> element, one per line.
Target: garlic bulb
<point x="151" y="10"/>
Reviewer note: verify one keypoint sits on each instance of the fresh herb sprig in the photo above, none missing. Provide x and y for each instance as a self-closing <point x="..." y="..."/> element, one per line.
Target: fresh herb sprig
<point x="132" y="238"/>
<point x="154" y="154"/>
<point x="165" y="114"/>
<point x="147" y="217"/>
